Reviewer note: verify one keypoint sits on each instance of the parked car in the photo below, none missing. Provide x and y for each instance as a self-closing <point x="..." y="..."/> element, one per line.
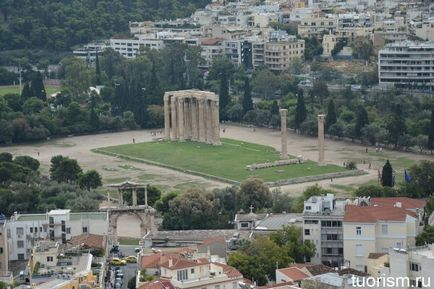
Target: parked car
<point x="118" y="262"/>
<point x="131" y="259"/>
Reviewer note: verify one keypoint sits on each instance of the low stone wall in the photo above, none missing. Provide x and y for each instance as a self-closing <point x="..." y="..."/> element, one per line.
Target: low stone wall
<point x="298" y="160"/>
<point x="306" y="179"/>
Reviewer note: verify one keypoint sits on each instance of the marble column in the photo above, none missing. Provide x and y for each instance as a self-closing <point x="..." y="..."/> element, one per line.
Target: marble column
<point x="146" y="196"/>
<point x="166" y="117"/>
<point x="201" y="120"/>
<point x="181" y="121"/>
<point x="134" y="198"/>
<point x="216" y="122"/>
<point x="187" y="123"/>
<point x="209" y="122"/>
<point x="193" y="111"/>
<point x="173" y="102"/>
<point x="283" y="134"/>
<point x="121" y="199"/>
<point x="321" y="139"/>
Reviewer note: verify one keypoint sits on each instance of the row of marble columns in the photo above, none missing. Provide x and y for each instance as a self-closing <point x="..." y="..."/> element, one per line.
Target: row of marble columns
<point x="191" y="116"/>
<point x="134" y="197"/>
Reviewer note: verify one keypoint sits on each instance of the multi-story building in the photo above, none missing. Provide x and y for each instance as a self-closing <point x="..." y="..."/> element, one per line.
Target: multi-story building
<point x="199" y="273"/>
<point x="317" y="26"/>
<point x="211" y="49"/>
<point x="56" y="225"/>
<point x="280" y="51"/>
<point x="322" y="225"/>
<point x="415" y="263"/>
<point x="408" y="65"/>
<point x="374" y="226"/>
<point x="4" y="260"/>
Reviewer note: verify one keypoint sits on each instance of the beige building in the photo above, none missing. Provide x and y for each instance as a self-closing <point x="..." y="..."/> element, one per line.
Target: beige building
<point x="4" y="260"/>
<point x="279" y="54"/>
<point x="316" y="26"/>
<point x="376" y="263"/>
<point x="378" y="224"/>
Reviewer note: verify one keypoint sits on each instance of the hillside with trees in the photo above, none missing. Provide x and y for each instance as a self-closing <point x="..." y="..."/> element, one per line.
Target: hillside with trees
<point x="58" y="25"/>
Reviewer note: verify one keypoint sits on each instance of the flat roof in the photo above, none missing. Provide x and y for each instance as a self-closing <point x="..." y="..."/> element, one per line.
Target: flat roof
<point x="88" y="215"/>
<point x="32" y="217"/>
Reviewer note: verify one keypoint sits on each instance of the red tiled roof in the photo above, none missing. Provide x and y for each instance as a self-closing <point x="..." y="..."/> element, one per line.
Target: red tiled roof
<point x="212" y="41"/>
<point x="88" y="241"/>
<point x="406" y="203"/>
<point x="155" y="260"/>
<point x="159" y="284"/>
<point x="372" y="214"/>
<point x="230" y="271"/>
<point x="180" y="263"/>
<point x="294" y="273"/>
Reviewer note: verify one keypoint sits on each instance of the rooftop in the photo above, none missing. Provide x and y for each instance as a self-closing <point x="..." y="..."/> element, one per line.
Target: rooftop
<point x="373" y="214"/>
<point x="275" y="222"/>
<point x="404" y="202"/>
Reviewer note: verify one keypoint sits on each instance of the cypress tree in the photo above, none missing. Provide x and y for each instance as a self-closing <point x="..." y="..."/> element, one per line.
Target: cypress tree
<point x="361" y="121"/>
<point x="37" y="86"/>
<point x="387" y="175"/>
<point x="247" y="98"/>
<point x="300" y="110"/>
<point x="331" y="117"/>
<point x="93" y="117"/>
<point x="431" y="132"/>
<point x="274" y="108"/>
<point x="224" y="95"/>
<point x="154" y="89"/>
<point x="26" y="93"/>
<point x="97" y="70"/>
<point x="396" y="126"/>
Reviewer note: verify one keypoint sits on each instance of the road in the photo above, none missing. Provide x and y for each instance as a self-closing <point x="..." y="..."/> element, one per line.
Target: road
<point x="130" y="269"/>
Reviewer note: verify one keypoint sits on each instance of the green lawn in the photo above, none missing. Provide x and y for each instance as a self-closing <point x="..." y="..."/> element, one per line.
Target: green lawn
<point x="16" y="89"/>
<point x="226" y="161"/>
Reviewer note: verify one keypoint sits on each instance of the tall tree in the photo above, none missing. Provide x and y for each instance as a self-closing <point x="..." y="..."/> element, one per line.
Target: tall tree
<point x="224" y="95"/>
<point x="26" y="92"/>
<point x="396" y="125"/>
<point x="97" y="70"/>
<point x="431" y="132"/>
<point x="387" y="175"/>
<point x="331" y="117"/>
<point x="247" y="98"/>
<point x="361" y="121"/>
<point x="93" y="116"/>
<point x="38" y="88"/>
<point x="154" y="89"/>
<point x="300" y="110"/>
<point x="274" y="108"/>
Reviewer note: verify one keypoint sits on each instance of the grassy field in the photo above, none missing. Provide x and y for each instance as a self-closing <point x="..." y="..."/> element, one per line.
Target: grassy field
<point x="16" y="89"/>
<point x="226" y="161"/>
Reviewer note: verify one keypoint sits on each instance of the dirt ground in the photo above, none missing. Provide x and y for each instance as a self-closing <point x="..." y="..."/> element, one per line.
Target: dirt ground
<point x="116" y="170"/>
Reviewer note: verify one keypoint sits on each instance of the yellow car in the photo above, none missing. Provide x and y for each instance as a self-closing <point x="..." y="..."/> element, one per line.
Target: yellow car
<point x="131" y="259"/>
<point x="118" y="262"/>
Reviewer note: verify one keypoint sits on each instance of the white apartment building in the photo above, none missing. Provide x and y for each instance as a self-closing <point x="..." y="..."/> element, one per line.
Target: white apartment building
<point x="408" y="65"/>
<point x="317" y="26"/>
<point x="417" y="262"/>
<point x="322" y="225"/>
<point x="212" y="49"/>
<point x="56" y="225"/>
<point x="379" y="224"/>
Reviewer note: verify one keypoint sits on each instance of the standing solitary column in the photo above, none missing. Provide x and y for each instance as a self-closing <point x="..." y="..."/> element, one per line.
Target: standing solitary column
<point x="174" y="118"/>
<point x="166" y="117"/>
<point x="321" y="139"/>
<point x="283" y="134"/>
<point x="201" y="120"/>
<point x="181" y="121"/>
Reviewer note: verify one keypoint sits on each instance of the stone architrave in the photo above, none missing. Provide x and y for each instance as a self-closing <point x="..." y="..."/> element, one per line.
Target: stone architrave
<point x="321" y="118"/>
<point x="192" y="115"/>
<point x="284" y="134"/>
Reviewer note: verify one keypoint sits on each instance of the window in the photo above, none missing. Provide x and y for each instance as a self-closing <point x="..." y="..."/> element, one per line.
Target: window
<point x="31" y="229"/>
<point x="182" y="275"/>
<point x="311" y="221"/>
<point x="68" y="230"/>
<point x="20" y="244"/>
<point x="244" y="225"/>
<point x="1" y="250"/>
<point x="20" y="256"/>
<point x="36" y="229"/>
<point x="384" y="229"/>
<point x="192" y="271"/>
<point x="359" y="250"/>
<point x="20" y="231"/>
<point x="84" y="229"/>
<point x="332" y="237"/>
<point x="415" y="267"/>
<point x="50" y="258"/>
<point x="308" y="208"/>
<point x="307" y="232"/>
<point x="358" y="231"/>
